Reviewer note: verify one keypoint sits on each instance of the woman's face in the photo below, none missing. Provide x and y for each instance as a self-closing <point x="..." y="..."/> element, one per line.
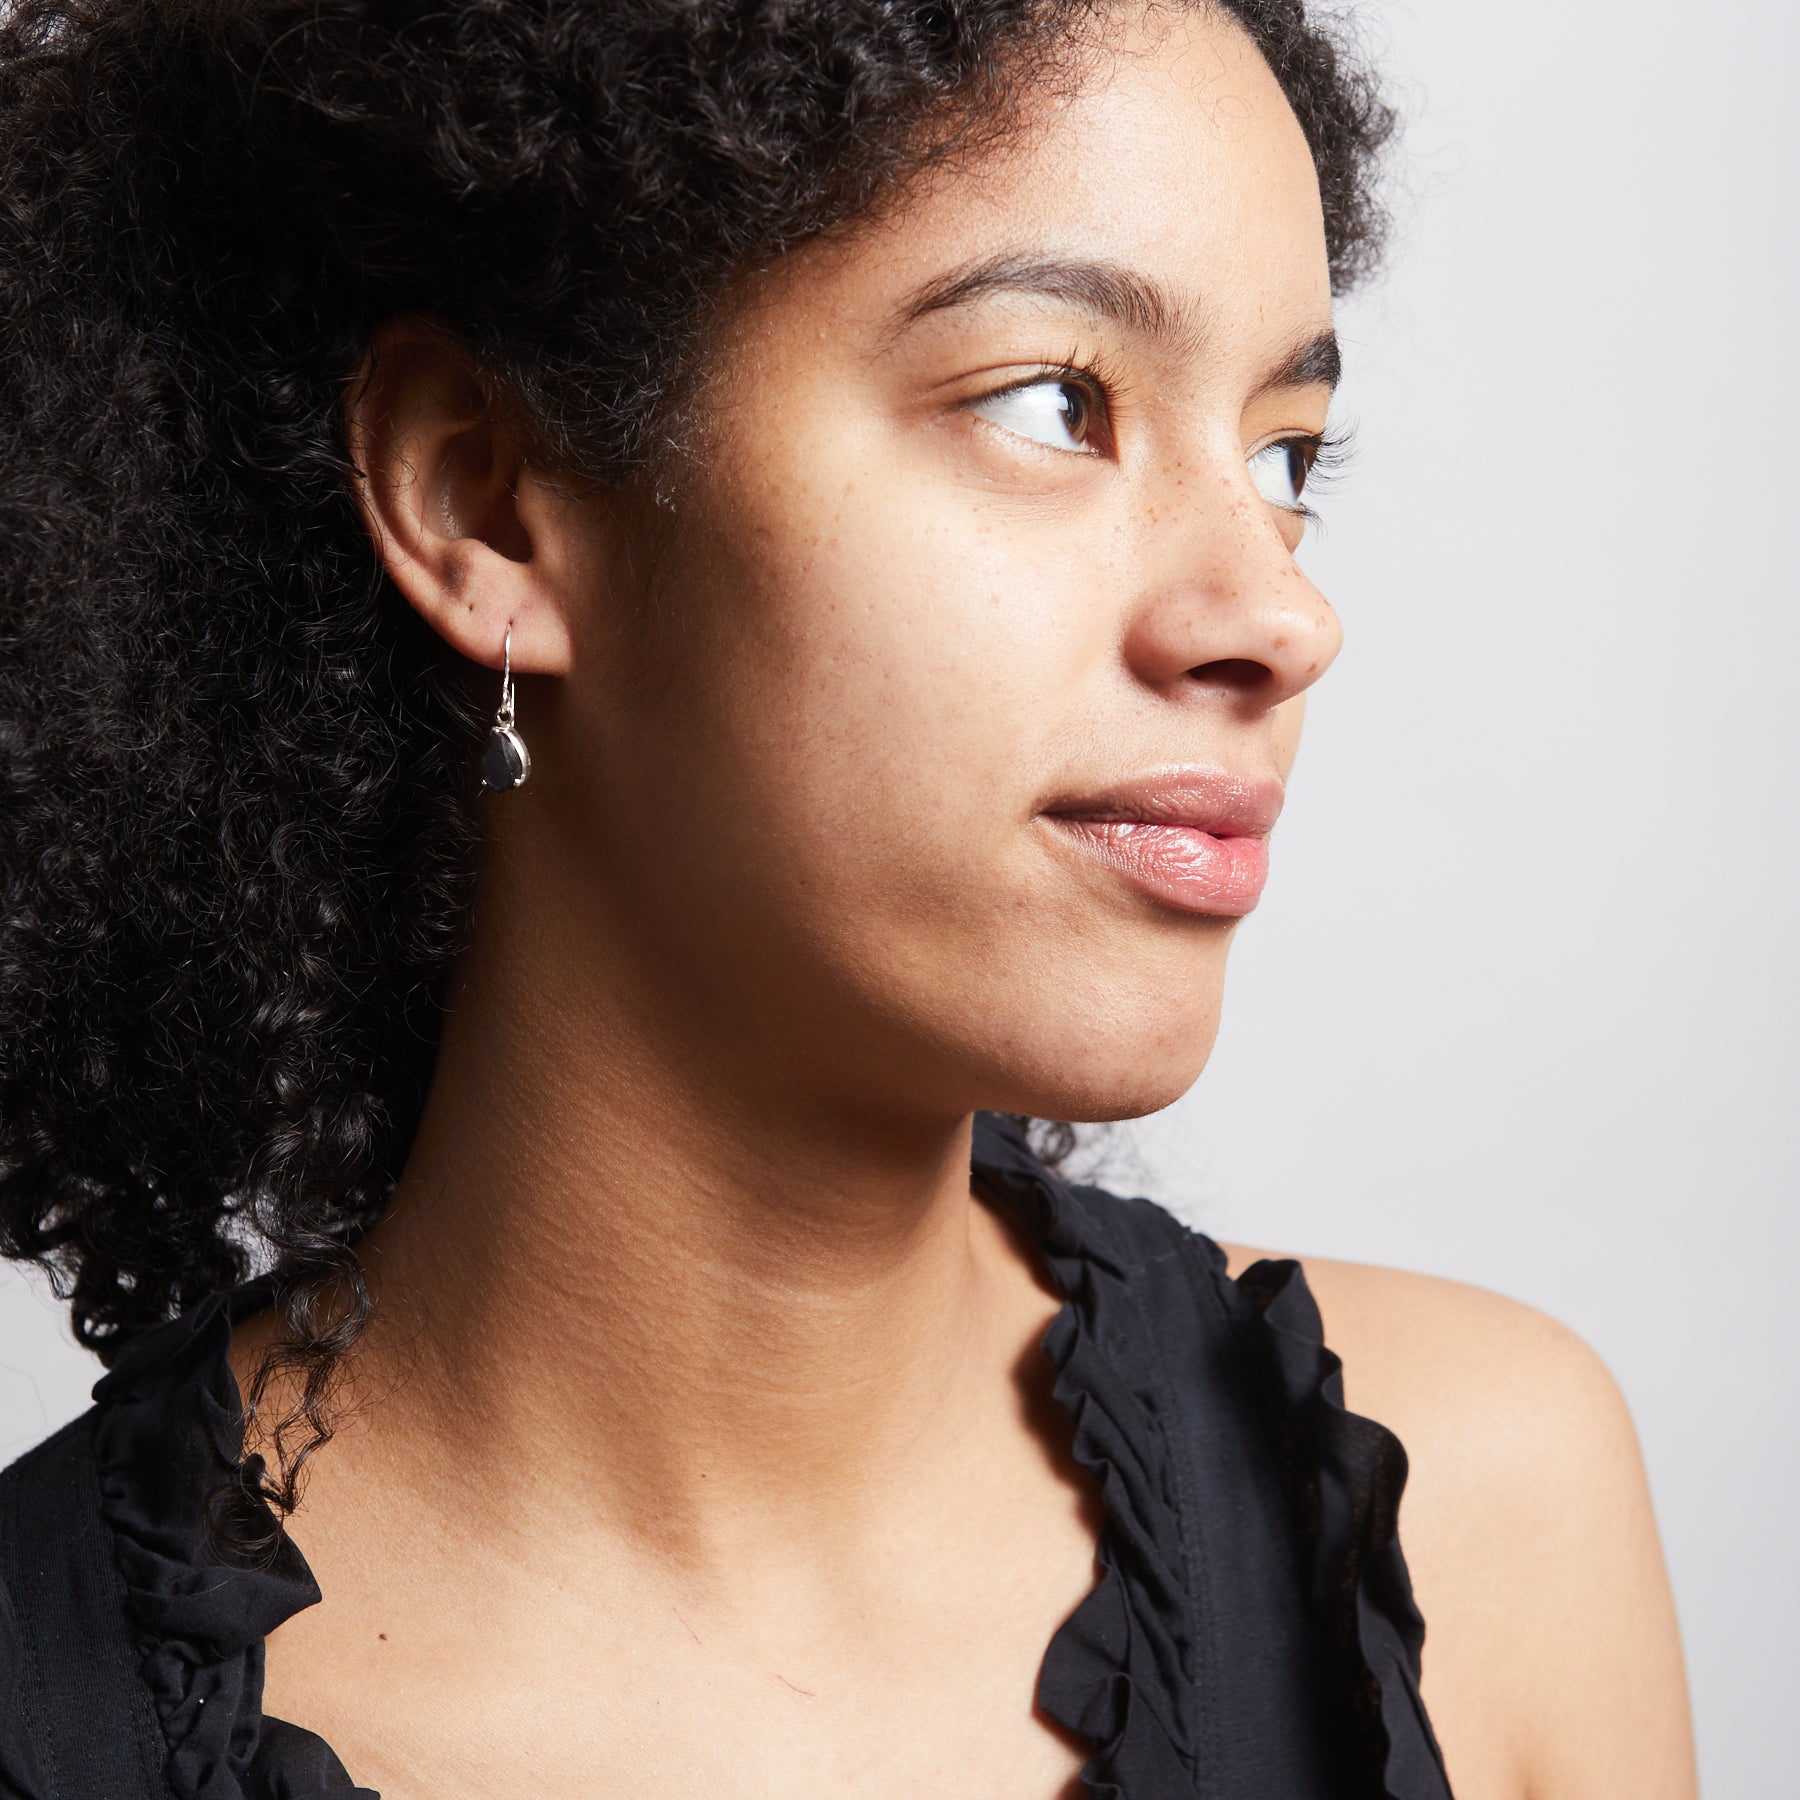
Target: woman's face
<point x="921" y="739"/>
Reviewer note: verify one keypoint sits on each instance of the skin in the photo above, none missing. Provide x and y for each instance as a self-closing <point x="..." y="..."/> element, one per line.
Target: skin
<point x="700" y="1380"/>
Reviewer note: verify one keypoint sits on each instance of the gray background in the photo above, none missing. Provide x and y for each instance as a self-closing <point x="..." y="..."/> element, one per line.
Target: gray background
<point x="1517" y="1007"/>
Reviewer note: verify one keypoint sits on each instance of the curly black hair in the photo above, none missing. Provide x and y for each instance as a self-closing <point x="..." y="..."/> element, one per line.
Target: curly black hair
<point x="237" y="836"/>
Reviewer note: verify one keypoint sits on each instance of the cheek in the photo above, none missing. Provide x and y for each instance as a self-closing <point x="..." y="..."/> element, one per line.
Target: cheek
<point x="878" y="672"/>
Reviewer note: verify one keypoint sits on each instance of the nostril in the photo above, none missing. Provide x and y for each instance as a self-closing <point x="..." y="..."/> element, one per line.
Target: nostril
<point x="1237" y="673"/>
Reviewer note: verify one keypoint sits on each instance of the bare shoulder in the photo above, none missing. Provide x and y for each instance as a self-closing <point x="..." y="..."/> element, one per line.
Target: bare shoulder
<point x="1428" y="1356"/>
<point x="1553" y="1666"/>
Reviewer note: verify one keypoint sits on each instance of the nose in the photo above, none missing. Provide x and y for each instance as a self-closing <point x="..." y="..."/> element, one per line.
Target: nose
<point x="1222" y="607"/>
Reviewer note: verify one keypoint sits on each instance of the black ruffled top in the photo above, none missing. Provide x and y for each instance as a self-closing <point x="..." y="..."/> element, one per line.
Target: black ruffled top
<point x="1251" y="1636"/>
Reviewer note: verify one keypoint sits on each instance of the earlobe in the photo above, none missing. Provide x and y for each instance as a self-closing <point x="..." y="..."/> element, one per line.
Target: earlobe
<point x="449" y="497"/>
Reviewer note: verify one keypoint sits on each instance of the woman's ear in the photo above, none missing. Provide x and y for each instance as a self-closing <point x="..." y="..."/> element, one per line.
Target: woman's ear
<point x="452" y="503"/>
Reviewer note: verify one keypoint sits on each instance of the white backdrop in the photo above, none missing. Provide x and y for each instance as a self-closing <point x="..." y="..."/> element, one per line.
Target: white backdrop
<point x="1518" y="1006"/>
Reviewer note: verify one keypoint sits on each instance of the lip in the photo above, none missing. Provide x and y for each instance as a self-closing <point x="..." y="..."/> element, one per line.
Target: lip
<point x="1194" y="839"/>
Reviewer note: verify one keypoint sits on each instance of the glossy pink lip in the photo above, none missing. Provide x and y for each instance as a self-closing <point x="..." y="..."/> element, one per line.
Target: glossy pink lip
<point x="1195" y="839"/>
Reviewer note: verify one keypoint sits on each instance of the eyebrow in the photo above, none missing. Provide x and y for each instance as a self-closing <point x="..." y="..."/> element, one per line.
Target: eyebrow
<point x="1317" y="362"/>
<point x="1126" y="298"/>
<point x="1130" y="300"/>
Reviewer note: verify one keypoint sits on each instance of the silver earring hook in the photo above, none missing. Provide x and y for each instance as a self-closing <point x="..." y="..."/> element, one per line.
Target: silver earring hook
<point x="504" y="717"/>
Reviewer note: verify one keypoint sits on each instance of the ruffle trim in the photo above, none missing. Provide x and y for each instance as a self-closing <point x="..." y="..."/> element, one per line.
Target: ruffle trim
<point x="1126" y="1652"/>
<point x="168" y="1434"/>
<point x="1119" y="1661"/>
<point x="1345" y="1476"/>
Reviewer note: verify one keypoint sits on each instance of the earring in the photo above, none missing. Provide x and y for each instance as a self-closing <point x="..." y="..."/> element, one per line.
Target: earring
<point x="505" y="762"/>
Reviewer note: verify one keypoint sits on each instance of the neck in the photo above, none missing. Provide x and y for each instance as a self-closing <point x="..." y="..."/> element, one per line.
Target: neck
<point x="608" y="1271"/>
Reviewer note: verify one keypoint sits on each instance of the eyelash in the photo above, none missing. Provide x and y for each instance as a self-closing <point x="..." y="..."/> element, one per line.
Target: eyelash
<point x="1333" y="450"/>
<point x="1094" y="376"/>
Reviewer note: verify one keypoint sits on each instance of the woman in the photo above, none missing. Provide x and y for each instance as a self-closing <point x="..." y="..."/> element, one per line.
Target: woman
<point x="872" y="437"/>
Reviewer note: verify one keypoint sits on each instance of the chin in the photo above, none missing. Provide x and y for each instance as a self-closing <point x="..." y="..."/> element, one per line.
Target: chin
<point x="1107" y="1061"/>
<point x="1101" y="1097"/>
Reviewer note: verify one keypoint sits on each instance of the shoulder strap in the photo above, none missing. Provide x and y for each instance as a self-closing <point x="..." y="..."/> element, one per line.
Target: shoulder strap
<point x="1266" y="1710"/>
<point x="86" y="1712"/>
<point x="1287" y="1503"/>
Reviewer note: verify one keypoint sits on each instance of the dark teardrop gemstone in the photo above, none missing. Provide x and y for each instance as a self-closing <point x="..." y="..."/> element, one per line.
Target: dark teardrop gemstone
<point x="505" y="762"/>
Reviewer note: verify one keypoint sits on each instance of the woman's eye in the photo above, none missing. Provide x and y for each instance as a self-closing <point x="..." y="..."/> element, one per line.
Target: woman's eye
<point x="1057" y="413"/>
<point x="1280" y="471"/>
